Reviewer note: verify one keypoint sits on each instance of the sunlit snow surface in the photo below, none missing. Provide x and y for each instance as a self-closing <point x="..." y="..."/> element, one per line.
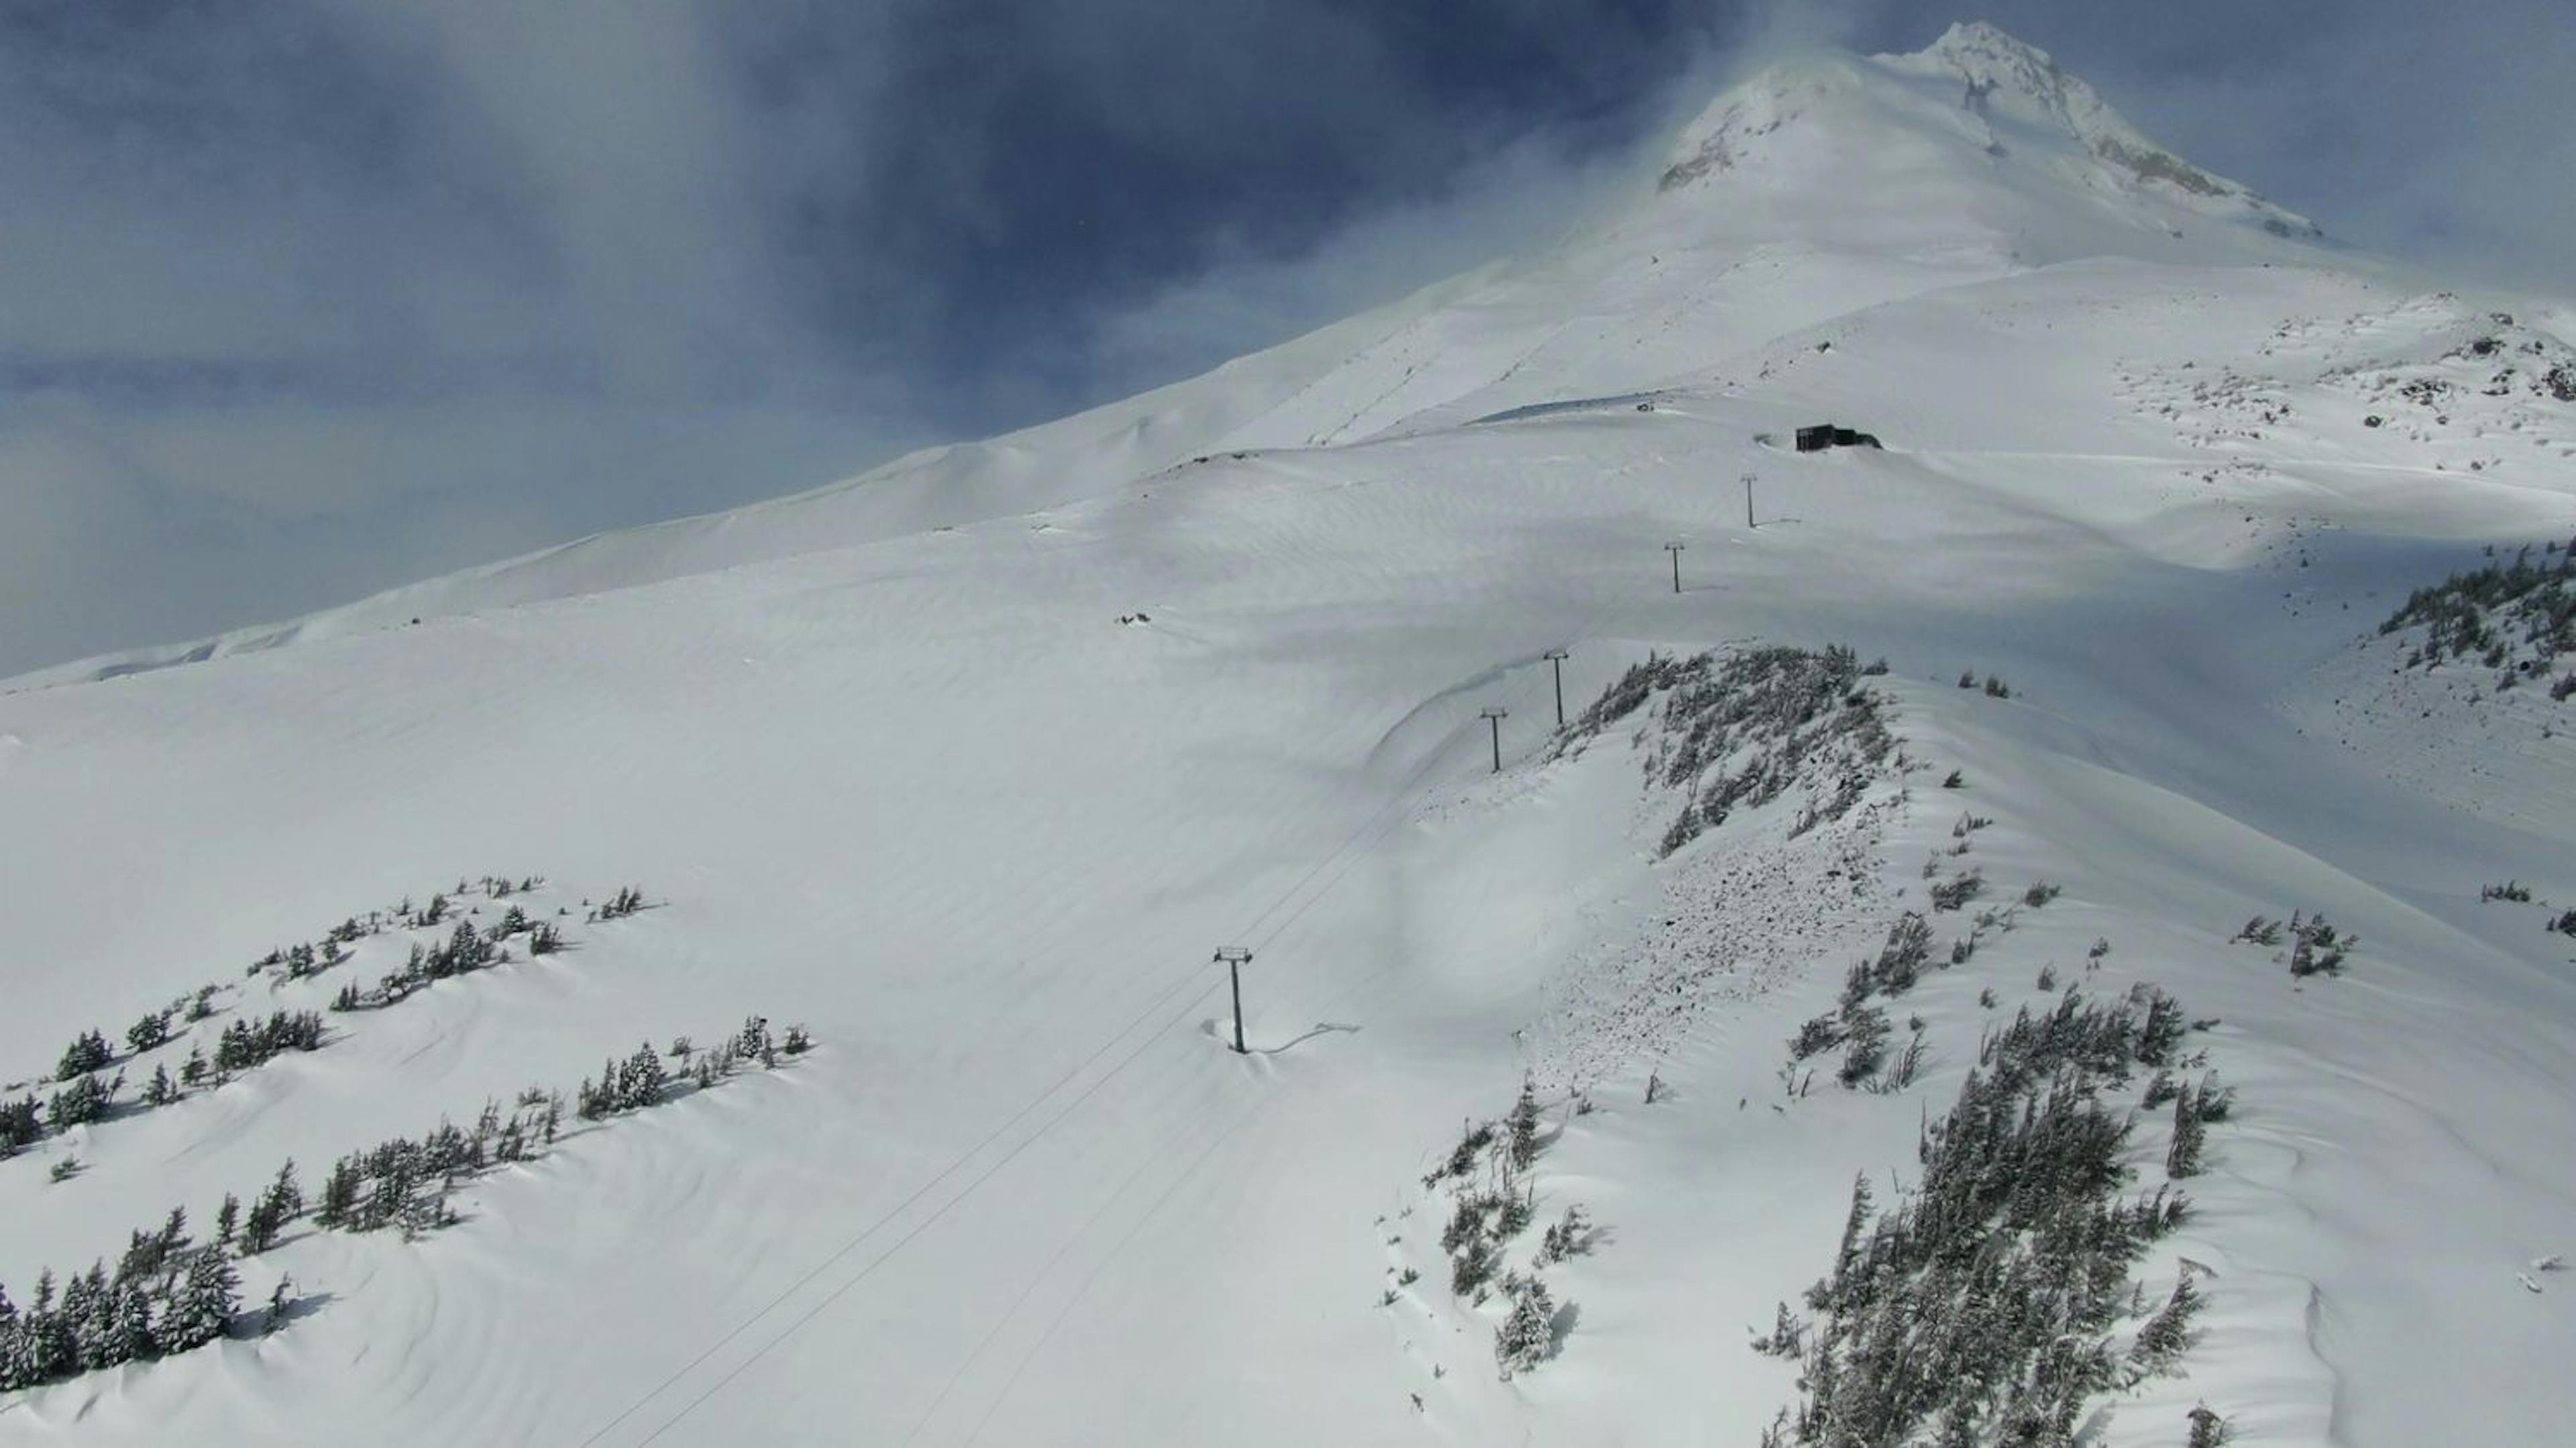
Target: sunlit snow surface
<point x="901" y="773"/>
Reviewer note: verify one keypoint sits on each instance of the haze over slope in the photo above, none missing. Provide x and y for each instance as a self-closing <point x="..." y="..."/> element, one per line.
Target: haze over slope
<point x="1815" y="188"/>
<point x="971" y="763"/>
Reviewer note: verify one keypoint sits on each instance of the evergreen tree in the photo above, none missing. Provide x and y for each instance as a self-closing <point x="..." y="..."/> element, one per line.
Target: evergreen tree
<point x="130" y="1323"/>
<point x="339" y="1194"/>
<point x="268" y="1215"/>
<point x="160" y="1090"/>
<point x="90" y="1310"/>
<point x="1527" y="1336"/>
<point x="12" y="1348"/>
<point x="2168" y="1334"/>
<point x="84" y="1101"/>
<point x="2182" y="1158"/>
<point x="284" y="1191"/>
<point x="148" y="1032"/>
<point x="260" y="1226"/>
<point x="1566" y="1236"/>
<point x="202" y="1308"/>
<point x="20" y="1125"/>
<point x="88" y="1052"/>
<point x="227" y="1218"/>
<point x="50" y="1349"/>
<point x="281" y="1300"/>
<point x="1474" y="1266"/>
<point x="640" y="1081"/>
<point x="1522" y="1125"/>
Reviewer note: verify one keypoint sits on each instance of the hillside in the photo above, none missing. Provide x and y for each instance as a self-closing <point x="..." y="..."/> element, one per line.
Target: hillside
<point x="968" y="767"/>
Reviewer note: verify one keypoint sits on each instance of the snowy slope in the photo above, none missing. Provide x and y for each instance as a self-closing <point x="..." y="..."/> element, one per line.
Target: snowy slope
<point x="1816" y="188"/>
<point x="972" y="764"/>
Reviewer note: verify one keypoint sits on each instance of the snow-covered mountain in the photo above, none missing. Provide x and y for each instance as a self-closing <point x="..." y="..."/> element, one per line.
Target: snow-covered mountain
<point x="968" y="766"/>
<point x="1816" y="189"/>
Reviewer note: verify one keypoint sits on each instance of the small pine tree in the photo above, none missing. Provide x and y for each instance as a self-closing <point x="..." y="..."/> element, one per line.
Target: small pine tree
<point x="148" y="1032"/>
<point x="260" y="1226"/>
<point x="2182" y="1158"/>
<point x="1788" y="1336"/>
<point x="2208" y="1430"/>
<point x="227" y="1220"/>
<point x="340" y="1192"/>
<point x="1568" y="1236"/>
<point x="641" y="1079"/>
<point x="1474" y="1266"/>
<point x="288" y="1196"/>
<point x="2168" y="1334"/>
<point x="1522" y="1126"/>
<point x="88" y="1052"/>
<point x="1527" y="1336"/>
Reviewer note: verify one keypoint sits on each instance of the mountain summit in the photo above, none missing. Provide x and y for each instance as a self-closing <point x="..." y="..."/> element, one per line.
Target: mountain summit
<point x="1976" y="106"/>
<point x="1818" y="186"/>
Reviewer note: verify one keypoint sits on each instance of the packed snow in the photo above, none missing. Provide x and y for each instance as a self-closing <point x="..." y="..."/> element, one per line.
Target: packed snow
<point x="969" y="766"/>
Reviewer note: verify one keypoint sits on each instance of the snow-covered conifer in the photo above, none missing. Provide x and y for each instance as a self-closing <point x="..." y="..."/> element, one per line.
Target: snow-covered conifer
<point x="1527" y="1336"/>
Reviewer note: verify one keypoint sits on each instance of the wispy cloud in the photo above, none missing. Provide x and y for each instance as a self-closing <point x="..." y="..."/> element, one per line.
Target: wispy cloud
<point x="307" y="297"/>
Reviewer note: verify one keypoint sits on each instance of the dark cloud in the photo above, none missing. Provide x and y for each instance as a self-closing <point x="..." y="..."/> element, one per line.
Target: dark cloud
<point x="307" y="297"/>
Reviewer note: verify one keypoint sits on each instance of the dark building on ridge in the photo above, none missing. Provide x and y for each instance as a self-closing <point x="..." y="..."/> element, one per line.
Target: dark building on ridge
<point x="1824" y="435"/>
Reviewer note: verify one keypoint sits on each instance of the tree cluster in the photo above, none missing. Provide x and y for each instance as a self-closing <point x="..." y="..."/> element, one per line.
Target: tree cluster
<point x="1986" y="1305"/>
<point x="1738" y="731"/>
<point x="329" y="949"/>
<point x="88" y="1052"/>
<point x="167" y="1295"/>
<point x="1861" y="1029"/>
<point x="248" y="1043"/>
<point x="2517" y="615"/>
<point x="1492" y="1203"/>
<point x="243" y="1045"/>
<point x="2316" y="947"/>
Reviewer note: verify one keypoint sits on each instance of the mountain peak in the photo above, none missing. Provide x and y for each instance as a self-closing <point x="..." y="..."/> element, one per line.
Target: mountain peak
<point x="1982" y="40"/>
<point x="1976" y="89"/>
<point x="1998" y="69"/>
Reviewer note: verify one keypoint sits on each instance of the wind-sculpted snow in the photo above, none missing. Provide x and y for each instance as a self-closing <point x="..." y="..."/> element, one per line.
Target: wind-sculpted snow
<point x="975" y="766"/>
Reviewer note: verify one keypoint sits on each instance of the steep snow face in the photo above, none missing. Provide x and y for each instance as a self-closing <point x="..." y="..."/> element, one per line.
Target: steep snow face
<point x="1988" y="130"/>
<point x="2005" y="77"/>
<point x="1812" y="190"/>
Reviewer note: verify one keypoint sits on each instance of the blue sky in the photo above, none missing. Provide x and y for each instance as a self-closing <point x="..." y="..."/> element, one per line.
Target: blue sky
<point x="304" y="298"/>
